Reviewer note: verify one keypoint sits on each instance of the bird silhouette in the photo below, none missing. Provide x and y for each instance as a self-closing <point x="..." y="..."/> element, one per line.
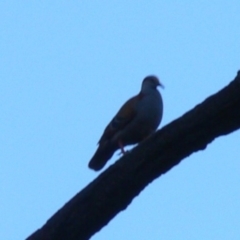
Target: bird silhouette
<point x="136" y="120"/>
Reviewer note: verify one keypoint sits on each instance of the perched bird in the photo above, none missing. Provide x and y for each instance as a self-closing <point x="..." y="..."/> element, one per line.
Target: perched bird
<point x="137" y="119"/>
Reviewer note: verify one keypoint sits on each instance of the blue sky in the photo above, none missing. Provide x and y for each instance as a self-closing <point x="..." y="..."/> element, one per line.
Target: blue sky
<point x="67" y="67"/>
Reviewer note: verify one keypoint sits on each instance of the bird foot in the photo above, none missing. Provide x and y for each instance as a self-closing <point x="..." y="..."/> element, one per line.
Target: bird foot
<point x="123" y="153"/>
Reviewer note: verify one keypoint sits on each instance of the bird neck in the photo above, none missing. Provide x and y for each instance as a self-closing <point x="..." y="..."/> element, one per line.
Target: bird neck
<point x="147" y="89"/>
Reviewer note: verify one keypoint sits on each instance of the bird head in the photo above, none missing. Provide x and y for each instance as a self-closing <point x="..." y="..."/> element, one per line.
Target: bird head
<point x="152" y="82"/>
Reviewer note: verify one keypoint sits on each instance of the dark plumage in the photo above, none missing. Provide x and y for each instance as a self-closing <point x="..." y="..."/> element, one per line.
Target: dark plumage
<point x="138" y="118"/>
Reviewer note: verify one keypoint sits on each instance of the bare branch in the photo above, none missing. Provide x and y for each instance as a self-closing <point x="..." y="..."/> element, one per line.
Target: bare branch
<point x="111" y="192"/>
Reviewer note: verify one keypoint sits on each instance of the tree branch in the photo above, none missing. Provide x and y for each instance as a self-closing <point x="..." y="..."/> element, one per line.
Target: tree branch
<point x="114" y="189"/>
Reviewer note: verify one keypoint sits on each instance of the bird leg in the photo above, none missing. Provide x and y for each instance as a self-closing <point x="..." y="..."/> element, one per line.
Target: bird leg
<point x="121" y="147"/>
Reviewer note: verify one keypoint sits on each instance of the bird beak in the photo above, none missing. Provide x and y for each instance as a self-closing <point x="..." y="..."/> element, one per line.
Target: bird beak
<point x="161" y="85"/>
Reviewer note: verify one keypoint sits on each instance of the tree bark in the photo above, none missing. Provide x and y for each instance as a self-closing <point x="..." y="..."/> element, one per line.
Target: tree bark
<point x="114" y="189"/>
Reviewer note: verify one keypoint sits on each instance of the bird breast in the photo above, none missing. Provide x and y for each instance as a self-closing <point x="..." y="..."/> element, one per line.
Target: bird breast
<point x="150" y="110"/>
<point x="149" y="114"/>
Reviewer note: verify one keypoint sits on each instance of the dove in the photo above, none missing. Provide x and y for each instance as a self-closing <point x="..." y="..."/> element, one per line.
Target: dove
<point x="137" y="119"/>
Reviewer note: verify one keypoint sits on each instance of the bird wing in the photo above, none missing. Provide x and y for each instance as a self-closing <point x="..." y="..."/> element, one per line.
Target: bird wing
<point x="123" y="117"/>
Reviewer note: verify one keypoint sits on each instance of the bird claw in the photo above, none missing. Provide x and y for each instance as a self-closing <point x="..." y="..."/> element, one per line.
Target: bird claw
<point x="125" y="152"/>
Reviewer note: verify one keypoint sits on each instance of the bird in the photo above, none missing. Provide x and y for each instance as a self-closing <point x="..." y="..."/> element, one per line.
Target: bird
<point x="136" y="120"/>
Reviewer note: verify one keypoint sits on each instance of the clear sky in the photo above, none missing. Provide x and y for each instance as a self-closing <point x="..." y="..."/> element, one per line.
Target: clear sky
<point x="67" y="67"/>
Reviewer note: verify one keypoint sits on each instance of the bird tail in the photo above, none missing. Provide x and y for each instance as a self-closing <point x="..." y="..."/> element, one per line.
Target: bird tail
<point x="101" y="156"/>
